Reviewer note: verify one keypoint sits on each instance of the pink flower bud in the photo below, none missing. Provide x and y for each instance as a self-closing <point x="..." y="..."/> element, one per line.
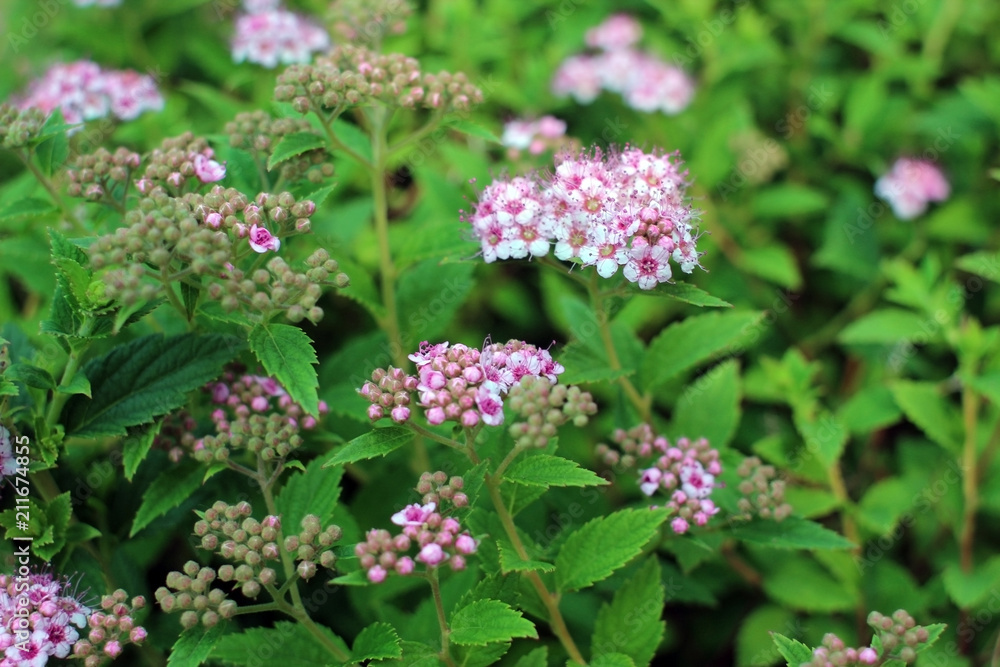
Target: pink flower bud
<point x="213" y="220"/>
<point x="405" y="565"/>
<point x="113" y="649"/>
<point x="868" y="656"/>
<point x="679" y="525"/>
<point x="259" y="403"/>
<point x="261" y="240"/>
<point x="376" y="574"/>
<point x="432" y="555"/>
<point x="465" y="544"/>
<point x="137" y="635"/>
<point x="375" y="412"/>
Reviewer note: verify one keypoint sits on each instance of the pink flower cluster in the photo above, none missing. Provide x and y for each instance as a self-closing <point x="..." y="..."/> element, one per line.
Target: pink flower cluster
<point x="608" y="210"/>
<point x="268" y="35"/>
<point x="910" y="185"/>
<point x="427" y="536"/>
<point x="458" y="383"/>
<point x="535" y="136"/>
<point x="685" y="471"/>
<point x="38" y="622"/>
<point x="646" y="82"/>
<point x="249" y="394"/>
<point x="84" y="91"/>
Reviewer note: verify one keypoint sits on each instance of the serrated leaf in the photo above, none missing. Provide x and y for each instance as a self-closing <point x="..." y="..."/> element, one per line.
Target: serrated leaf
<point x="488" y="621"/>
<point x="934" y="631"/>
<point x="287" y="354"/>
<point x="583" y="365"/>
<point x="754" y="646"/>
<point x="292" y="145"/>
<point x="510" y="561"/>
<point x="688" y="343"/>
<point x="81" y="532"/>
<point x="631" y="623"/>
<point x="608" y="660"/>
<point x="709" y="407"/>
<point x="78" y="385"/>
<point x="378" y="641"/>
<point x="37" y="521"/>
<point x="377" y="442"/>
<point x="315" y="491"/>
<point x="547" y="470"/>
<point x="168" y="491"/>
<point x="885" y="326"/>
<point x="32" y="376"/>
<point x="792" y="650"/>
<point x="680" y="291"/>
<point x="538" y="657"/>
<point x="792" y="533"/>
<point x="923" y="404"/>
<point x="136" y="446"/>
<point x="57" y="514"/>
<point x="194" y="645"/>
<point x="145" y="378"/>
<point x="603" y="545"/>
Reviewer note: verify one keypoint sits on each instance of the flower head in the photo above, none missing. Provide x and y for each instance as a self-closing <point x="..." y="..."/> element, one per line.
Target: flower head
<point x="261" y="240"/>
<point x="911" y="185"/>
<point x="208" y="170"/>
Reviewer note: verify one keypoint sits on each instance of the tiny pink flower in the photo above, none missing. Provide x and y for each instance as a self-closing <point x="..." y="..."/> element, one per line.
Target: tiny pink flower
<point x="413" y="515"/>
<point x="137" y="635"/>
<point x="208" y="170"/>
<point x="679" y="525"/>
<point x="648" y="266"/>
<point x="489" y="403"/>
<point x="405" y="565"/>
<point x="695" y="482"/>
<point x="868" y="656"/>
<point x="400" y="414"/>
<point x="376" y="574"/>
<point x="432" y="555"/>
<point x="261" y="239"/>
<point x="259" y="403"/>
<point x="375" y="412"/>
<point x="466" y="544"/>
<point x="649" y="481"/>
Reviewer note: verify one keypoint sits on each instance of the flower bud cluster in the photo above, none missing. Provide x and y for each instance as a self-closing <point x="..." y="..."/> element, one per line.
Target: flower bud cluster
<point x="684" y="471"/>
<point x="255" y="413"/>
<point x="102" y="175"/>
<point x="545" y="407"/>
<point x="53" y="612"/>
<point x="427" y="537"/>
<point x="355" y="76"/>
<point x="368" y="21"/>
<point x="111" y="629"/>
<point x="763" y="495"/>
<point x="179" y="165"/>
<point x="625" y="209"/>
<point x="313" y="545"/>
<point x="257" y="132"/>
<point x="19" y="127"/>
<point x="458" y="383"/>
<point x="176" y="435"/>
<point x="646" y="82"/>
<point x="899" y="636"/>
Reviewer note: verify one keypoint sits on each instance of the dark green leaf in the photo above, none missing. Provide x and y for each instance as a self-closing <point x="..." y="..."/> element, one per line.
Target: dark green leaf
<point x="547" y="470"/>
<point x="631" y="623"/>
<point x="32" y="376"/>
<point x="292" y="145"/>
<point x="136" y="446"/>
<point x="287" y="354"/>
<point x="378" y="641"/>
<point x="314" y="491"/>
<point x="792" y="533"/>
<point x="169" y="490"/>
<point x="378" y="442"/>
<point x="488" y="621"/>
<point x="194" y="645"/>
<point x="794" y="651"/>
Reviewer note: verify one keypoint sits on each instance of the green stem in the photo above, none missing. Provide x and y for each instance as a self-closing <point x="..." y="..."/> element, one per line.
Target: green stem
<point x="387" y="268"/>
<point x="341" y="146"/>
<point x="50" y="188"/>
<point x="172" y="296"/>
<point x="431" y="435"/>
<point x="59" y="398"/>
<point x="511" y="455"/>
<point x="426" y="129"/>
<point x="550" y="600"/>
<point x="642" y="404"/>
<point x="445" y="654"/>
<point x="970" y="478"/>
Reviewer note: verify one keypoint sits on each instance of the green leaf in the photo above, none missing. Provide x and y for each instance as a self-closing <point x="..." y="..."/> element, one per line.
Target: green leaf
<point x="136" y="446"/>
<point x="194" y="645"/>
<point x="37" y="521"/>
<point x="688" y="343"/>
<point x="353" y="137"/>
<point x="934" y="631"/>
<point x="774" y="263"/>
<point x="538" y="657"/>
<point x="78" y="385"/>
<point x="709" y="407"/>
<point x="631" y="623"/>
<point x="754" y="646"/>
<point x="679" y="291"/>
<point x="378" y="641"/>
<point x="361" y="288"/>
<point x="870" y="409"/>
<point x="51" y="153"/>
<point x="488" y="621"/>
<point x="145" y="378"/>
<point x="789" y="200"/>
<point x="169" y="490"/>
<point x="608" y="660"/>
<point x="547" y="470"/>
<point x="969" y="589"/>
<point x="57" y="516"/>
<point x="27" y="207"/>
<point x="287" y="354"/>
<point x="825" y="437"/>
<point x="603" y="545"/>
<point x="885" y="326"/>
<point x="30" y="375"/>
<point x="472" y="129"/>
<point x="315" y="491"/>
<point x="429" y="295"/>
<point x="510" y="561"/>
<point x="801" y="584"/>
<point x="792" y="650"/>
<point x="584" y="364"/>
<point x="292" y="145"/>
<point x="81" y="532"/>
<point x="377" y="442"/>
<point x="923" y="404"/>
<point x="984" y="263"/>
<point x="792" y="533"/>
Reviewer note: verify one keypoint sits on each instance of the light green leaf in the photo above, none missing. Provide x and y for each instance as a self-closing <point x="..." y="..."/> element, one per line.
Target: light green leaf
<point x="681" y="291"/>
<point x="136" y="446"/>
<point x="194" y="645"/>
<point x="802" y="584"/>
<point x="603" y="545"/>
<point x="168" y="491"/>
<point x="584" y="364"/>
<point x="792" y="533"/>
<point x="30" y="206"/>
<point x="709" y="407"/>
<point x="789" y="200"/>
<point x="315" y="491"/>
<point x="538" y="657"/>
<point x="774" y="263"/>
<point x="608" y="660"/>
<point x="145" y="378"/>
<point x="690" y="342"/>
<point x="968" y="589"/>
<point x="934" y="631"/>
<point x="488" y="621"/>
<point x="754" y="646"/>
<point x="631" y="623"/>
<point x="377" y="442"/>
<point x="547" y="470"/>
<point x="378" y="641"/>
<point x="870" y="409"/>
<point x="885" y="326"/>
<point x="984" y="263"/>
<point x="287" y="354"/>
<point x="472" y="129"/>
<point x="292" y="145"/>
<point x="288" y="644"/>
<point x="825" y="437"/>
<point x="78" y="385"/>
<point x="57" y="515"/>
<point x="923" y="404"/>
<point x="511" y="562"/>
<point x="792" y="650"/>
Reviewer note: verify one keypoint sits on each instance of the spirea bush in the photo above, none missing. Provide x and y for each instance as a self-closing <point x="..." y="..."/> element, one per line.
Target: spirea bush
<point x="466" y="333"/>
